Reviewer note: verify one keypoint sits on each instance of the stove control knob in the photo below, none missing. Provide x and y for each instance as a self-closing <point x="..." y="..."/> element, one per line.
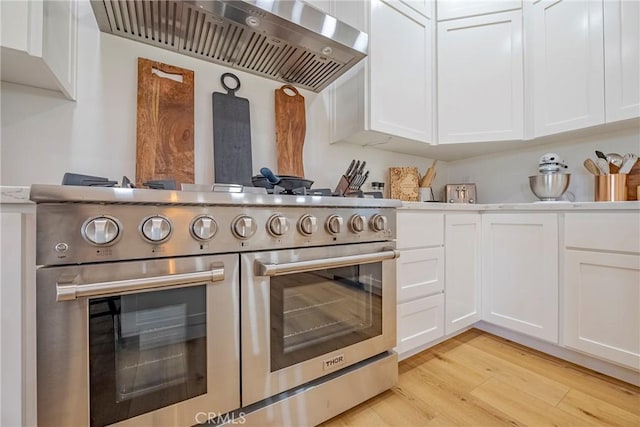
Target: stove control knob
<point x="378" y="222"/>
<point x="100" y="231"/>
<point x="204" y="228"/>
<point x="156" y="229"/>
<point x="243" y="227"/>
<point x="308" y="224"/>
<point x="357" y="223"/>
<point x="334" y="224"/>
<point x="278" y="225"/>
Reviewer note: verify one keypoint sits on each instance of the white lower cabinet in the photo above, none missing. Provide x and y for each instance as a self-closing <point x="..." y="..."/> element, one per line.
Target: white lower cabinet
<point x="520" y="273"/>
<point x="420" y="279"/>
<point x="602" y="305"/>
<point x="601" y="314"/>
<point x="462" y="253"/>
<point x="18" y="312"/>
<point x="420" y="322"/>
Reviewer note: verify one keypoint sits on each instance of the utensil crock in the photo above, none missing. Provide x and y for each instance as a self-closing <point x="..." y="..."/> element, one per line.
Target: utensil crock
<point x="610" y="188"/>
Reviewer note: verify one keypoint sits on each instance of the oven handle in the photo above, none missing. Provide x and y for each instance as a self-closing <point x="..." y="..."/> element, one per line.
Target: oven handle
<point x="66" y="291"/>
<point x="263" y="269"/>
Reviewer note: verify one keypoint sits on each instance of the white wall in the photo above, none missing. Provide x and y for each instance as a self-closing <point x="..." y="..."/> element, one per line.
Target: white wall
<point x="44" y="135"/>
<point x="503" y="177"/>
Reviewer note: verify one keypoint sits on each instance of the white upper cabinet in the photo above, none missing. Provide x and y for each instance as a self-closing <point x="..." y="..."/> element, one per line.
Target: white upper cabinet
<point x="564" y="64"/>
<point x="39" y="44"/>
<point x="391" y="94"/>
<point x="480" y="78"/>
<point x="425" y="7"/>
<point x="622" y="59"/>
<point x="452" y="9"/>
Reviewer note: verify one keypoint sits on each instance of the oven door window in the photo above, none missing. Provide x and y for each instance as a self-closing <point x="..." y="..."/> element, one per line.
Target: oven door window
<point x="314" y="313"/>
<point x="146" y="351"/>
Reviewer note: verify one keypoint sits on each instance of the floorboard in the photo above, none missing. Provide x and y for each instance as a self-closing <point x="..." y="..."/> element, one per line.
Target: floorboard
<point x="478" y="379"/>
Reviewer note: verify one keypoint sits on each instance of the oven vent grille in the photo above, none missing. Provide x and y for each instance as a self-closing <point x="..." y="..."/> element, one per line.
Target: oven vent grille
<point x="218" y="31"/>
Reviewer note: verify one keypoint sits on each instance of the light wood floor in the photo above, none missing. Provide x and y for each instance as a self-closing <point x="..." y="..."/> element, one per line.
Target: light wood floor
<point x="478" y="379"/>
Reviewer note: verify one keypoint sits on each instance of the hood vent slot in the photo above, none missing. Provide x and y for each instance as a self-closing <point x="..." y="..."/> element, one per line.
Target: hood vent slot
<point x="286" y="45"/>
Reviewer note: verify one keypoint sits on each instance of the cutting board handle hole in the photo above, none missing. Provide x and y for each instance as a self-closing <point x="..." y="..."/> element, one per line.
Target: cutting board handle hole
<point x="175" y="77"/>
<point x="230" y="90"/>
<point x="289" y="90"/>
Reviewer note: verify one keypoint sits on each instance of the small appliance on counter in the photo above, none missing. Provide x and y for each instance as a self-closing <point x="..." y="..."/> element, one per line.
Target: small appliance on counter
<point x="460" y="193"/>
<point x="550" y="184"/>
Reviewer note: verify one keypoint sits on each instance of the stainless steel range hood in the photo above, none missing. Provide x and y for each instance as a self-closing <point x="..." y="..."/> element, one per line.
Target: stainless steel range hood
<point x="285" y="40"/>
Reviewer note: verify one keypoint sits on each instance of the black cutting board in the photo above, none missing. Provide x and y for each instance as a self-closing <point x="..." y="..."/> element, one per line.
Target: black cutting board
<point x="231" y="136"/>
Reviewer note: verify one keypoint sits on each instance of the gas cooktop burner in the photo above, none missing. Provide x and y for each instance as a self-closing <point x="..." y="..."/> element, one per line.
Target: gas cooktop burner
<point x="302" y="191"/>
<point x="74" y="179"/>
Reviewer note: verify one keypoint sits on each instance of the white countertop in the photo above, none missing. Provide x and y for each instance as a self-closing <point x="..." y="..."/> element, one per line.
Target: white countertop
<point x="14" y="195"/>
<point x="20" y="195"/>
<point x="538" y="206"/>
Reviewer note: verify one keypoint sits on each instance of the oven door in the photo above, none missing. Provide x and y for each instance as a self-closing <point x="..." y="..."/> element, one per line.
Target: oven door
<point x="138" y="343"/>
<point x="310" y="312"/>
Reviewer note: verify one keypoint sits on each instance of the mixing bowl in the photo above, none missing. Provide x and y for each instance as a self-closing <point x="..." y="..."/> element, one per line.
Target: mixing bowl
<point x="549" y="187"/>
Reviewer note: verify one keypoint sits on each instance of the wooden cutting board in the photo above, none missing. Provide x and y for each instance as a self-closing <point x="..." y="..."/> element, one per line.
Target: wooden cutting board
<point x="633" y="181"/>
<point x="403" y="183"/>
<point x="164" y="148"/>
<point x="231" y="135"/>
<point x="291" y="127"/>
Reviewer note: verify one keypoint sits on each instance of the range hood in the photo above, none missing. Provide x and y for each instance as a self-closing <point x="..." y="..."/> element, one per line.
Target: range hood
<point x="284" y="40"/>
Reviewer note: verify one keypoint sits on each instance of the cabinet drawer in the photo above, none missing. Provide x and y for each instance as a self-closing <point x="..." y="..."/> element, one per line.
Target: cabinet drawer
<point x="420" y="322"/>
<point x="603" y="231"/>
<point x="419" y="229"/>
<point x="420" y="273"/>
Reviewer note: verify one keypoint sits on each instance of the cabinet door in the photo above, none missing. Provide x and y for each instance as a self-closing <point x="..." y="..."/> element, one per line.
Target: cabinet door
<point x="420" y="322"/>
<point x="400" y="71"/>
<point x="622" y="59"/>
<point x="602" y="305"/>
<point x="451" y="9"/>
<point x="520" y="273"/>
<point x="425" y="7"/>
<point x="39" y="44"/>
<point x="565" y="64"/>
<point x="420" y="272"/>
<point x="462" y="252"/>
<point x="60" y="43"/>
<point x="480" y="79"/>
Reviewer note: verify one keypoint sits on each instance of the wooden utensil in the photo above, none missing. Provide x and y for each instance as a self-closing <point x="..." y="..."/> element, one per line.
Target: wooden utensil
<point x="591" y="167"/>
<point x="231" y="135"/>
<point x="164" y="146"/>
<point x="429" y="176"/>
<point x="290" y="130"/>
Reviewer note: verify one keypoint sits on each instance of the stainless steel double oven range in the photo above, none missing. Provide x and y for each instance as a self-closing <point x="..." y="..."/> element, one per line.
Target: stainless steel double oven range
<point x="177" y="308"/>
